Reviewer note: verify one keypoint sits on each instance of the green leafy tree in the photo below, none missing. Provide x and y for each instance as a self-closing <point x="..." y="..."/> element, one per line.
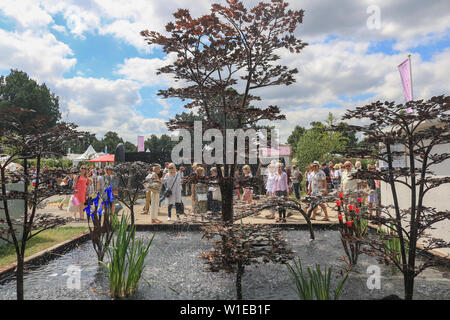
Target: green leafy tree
<point x="83" y="143"/>
<point x="321" y="140"/>
<point x="319" y="145"/>
<point x="111" y="140"/>
<point x="17" y="89"/>
<point x="129" y="147"/>
<point x="294" y="137"/>
<point x="352" y="140"/>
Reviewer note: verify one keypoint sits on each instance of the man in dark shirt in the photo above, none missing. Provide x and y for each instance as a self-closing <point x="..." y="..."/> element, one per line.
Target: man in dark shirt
<point x="326" y="170"/>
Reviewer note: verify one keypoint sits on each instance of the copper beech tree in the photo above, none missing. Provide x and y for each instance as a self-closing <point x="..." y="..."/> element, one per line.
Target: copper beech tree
<point x="221" y="59"/>
<point x="410" y="147"/>
<point x="24" y="140"/>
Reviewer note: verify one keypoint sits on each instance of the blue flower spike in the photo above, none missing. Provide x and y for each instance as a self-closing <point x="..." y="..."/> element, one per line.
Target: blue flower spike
<point x="100" y="211"/>
<point x="88" y="209"/>
<point x="96" y="200"/>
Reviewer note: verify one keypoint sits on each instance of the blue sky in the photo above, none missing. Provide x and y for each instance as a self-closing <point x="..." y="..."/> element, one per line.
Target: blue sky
<point x="90" y="54"/>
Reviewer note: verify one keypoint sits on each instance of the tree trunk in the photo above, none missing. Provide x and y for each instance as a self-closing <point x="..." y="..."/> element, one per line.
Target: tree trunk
<point x="226" y="189"/>
<point x="409" y="285"/>
<point x="307" y="217"/>
<point x="239" y="274"/>
<point x="311" y="231"/>
<point x="19" y="278"/>
<point x="132" y="215"/>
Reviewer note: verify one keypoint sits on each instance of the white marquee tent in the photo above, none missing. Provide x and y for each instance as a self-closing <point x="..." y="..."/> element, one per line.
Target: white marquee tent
<point x="89" y="154"/>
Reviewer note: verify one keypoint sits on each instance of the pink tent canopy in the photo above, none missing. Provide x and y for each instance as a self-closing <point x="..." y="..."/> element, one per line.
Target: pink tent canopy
<point x="104" y="158"/>
<point x="282" y="151"/>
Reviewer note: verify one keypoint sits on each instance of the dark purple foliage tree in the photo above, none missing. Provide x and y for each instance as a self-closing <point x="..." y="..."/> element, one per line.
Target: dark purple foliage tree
<point x="23" y="140"/>
<point x="222" y="57"/>
<point x="408" y="144"/>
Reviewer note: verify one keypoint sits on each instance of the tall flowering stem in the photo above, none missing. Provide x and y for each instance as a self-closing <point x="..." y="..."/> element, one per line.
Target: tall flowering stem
<point x="354" y="230"/>
<point x="99" y="215"/>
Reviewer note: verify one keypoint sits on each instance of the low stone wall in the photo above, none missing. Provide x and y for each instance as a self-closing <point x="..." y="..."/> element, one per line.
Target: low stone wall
<point x="182" y="227"/>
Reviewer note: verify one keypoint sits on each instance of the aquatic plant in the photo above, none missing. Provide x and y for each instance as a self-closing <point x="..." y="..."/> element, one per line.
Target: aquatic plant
<point x="126" y="258"/>
<point x="392" y="246"/>
<point x="314" y="283"/>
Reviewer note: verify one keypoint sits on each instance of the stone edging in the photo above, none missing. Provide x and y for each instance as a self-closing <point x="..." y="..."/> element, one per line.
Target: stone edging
<point x="180" y="227"/>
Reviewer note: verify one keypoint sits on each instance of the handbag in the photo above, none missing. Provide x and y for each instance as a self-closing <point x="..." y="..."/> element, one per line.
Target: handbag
<point x="179" y="207"/>
<point x="155" y="186"/>
<point x="71" y="206"/>
<point x="217" y="195"/>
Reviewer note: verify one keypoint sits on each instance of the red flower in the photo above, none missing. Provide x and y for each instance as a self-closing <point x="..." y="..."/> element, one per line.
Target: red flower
<point x="341" y="195"/>
<point x="357" y="210"/>
<point x="338" y="202"/>
<point x="360" y="199"/>
<point x="351" y="207"/>
<point x="349" y="223"/>
<point x="340" y="217"/>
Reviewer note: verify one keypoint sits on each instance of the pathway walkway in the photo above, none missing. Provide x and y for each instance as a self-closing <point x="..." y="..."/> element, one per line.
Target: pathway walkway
<point x="140" y="219"/>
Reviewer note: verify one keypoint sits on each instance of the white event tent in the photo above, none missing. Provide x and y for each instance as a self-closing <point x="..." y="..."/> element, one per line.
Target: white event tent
<point x="89" y="154"/>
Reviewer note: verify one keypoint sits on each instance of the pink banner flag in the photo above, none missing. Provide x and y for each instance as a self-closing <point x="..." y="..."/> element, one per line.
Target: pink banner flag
<point x="140" y="143"/>
<point x="405" y="74"/>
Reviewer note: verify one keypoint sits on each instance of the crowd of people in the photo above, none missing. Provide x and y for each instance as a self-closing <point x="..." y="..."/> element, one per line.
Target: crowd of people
<point x="86" y="183"/>
<point x="339" y="177"/>
<point x="168" y="184"/>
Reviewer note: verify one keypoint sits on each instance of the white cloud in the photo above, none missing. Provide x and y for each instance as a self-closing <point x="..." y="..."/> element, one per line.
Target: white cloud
<point x="336" y="69"/>
<point x="165" y="105"/>
<point x="328" y="69"/>
<point x="144" y="70"/>
<point x="59" y="28"/>
<point x="101" y="105"/>
<point x="128" y="32"/>
<point x="40" y="55"/>
<point x="27" y="13"/>
<point x="408" y="22"/>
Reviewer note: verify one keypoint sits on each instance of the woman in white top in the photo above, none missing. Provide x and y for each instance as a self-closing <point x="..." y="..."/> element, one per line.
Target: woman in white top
<point x="173" y="183"/>
<point x="336" y="177"/>
<point x="269" y="186"/>
<point x="154" y="180"/>
<point x="270" y="179"/>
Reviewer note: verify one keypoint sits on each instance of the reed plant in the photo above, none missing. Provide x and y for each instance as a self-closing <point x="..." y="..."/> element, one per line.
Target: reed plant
<point x="392" y="245"/>
<point x="126" y="258"/>
<point x="313" y="284"/>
